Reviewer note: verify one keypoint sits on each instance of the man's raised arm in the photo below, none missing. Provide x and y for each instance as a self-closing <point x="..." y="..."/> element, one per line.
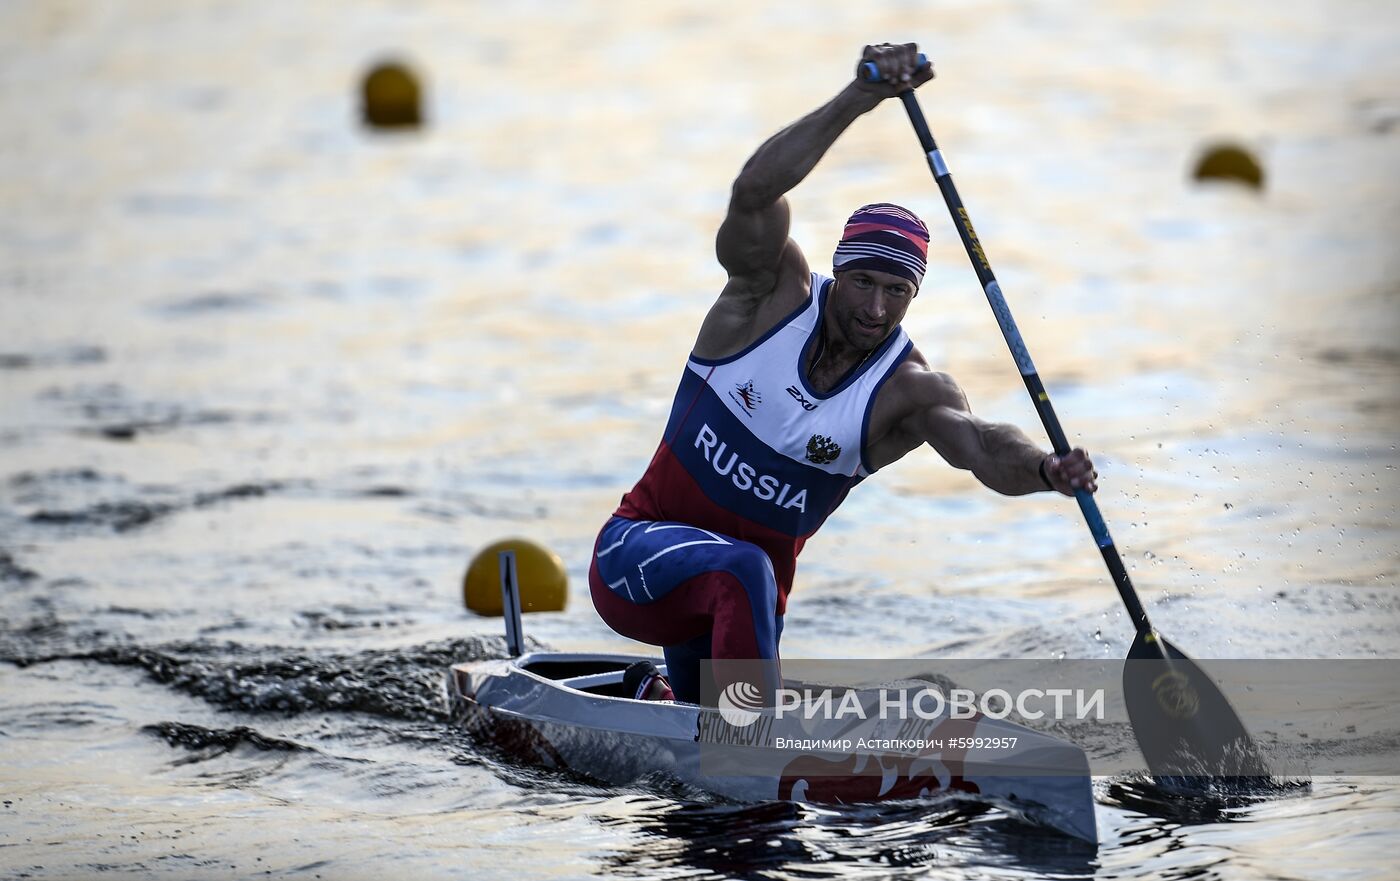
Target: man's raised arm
<point x="753" y="244"/>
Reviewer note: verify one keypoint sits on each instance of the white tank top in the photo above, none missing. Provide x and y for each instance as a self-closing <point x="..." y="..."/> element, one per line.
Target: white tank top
<point x="766" y="388"/>
<point x="751" y="451"/>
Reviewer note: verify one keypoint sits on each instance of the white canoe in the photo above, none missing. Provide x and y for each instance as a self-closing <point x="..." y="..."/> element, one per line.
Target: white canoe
<point x="565" y="711"/>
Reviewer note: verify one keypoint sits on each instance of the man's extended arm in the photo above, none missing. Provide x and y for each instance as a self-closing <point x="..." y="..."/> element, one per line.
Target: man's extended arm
<point x="1001" y="456"/>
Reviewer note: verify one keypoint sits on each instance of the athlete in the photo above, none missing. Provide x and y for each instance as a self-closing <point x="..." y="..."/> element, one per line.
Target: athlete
<point x="798" y="387"/>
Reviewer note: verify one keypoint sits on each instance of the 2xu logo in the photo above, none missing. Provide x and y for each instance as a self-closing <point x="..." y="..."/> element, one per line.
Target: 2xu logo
<point x="799" y="398"/>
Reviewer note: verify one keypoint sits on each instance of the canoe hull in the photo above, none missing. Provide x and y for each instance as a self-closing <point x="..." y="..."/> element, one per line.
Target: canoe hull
<point x="529" y="709"/>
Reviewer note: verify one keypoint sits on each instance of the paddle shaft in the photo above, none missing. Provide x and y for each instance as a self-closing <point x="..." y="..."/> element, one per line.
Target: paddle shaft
<point x="1039" y="397"/>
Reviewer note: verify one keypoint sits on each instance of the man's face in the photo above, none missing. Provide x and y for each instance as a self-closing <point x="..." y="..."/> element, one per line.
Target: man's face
<point x="866" y="305"/>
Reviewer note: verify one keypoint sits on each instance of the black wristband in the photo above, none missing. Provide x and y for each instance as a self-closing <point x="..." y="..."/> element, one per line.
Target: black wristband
<point x="1045" y="477"/>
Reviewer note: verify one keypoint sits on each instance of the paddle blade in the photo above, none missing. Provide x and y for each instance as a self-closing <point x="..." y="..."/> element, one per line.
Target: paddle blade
<point x="1184" y="726"/>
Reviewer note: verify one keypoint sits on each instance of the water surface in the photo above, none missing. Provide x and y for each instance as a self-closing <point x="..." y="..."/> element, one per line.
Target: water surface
<point x="267" y="382"/>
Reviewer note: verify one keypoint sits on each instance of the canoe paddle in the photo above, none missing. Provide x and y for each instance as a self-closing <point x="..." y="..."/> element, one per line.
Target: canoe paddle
<point x="1184" y="726"/>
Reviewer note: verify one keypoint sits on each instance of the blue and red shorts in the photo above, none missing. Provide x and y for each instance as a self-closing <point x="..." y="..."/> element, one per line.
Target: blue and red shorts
<point x="696" y="593"/>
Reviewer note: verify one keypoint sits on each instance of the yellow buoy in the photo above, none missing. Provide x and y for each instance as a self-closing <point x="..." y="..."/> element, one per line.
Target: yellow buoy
<point x="1230" y="163"/>
<point x="544" y="586"/>
<point x="391" y="97"/>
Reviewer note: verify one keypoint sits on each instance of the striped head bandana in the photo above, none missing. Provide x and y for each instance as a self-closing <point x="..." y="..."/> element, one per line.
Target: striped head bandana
<point x="885" y="238"/>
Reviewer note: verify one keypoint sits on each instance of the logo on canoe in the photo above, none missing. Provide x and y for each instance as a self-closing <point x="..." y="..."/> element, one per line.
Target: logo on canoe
<point x="852" y="780"/>
<point x="746" y="396"/>
<point x="822" y="449"/>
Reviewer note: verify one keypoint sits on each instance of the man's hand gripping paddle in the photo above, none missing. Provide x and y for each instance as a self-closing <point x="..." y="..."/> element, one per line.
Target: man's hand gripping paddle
<point x="1184" y="726"/>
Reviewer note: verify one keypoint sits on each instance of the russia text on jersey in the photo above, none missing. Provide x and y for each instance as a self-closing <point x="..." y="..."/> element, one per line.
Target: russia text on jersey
<point x="744" y="476"/>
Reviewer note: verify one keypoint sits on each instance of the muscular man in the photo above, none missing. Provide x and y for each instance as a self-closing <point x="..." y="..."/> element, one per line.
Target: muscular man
<point x="798" y="387"/>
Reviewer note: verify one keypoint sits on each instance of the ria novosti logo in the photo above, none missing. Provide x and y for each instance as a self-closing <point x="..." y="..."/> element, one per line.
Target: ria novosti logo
<point x="741" y="703"/>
